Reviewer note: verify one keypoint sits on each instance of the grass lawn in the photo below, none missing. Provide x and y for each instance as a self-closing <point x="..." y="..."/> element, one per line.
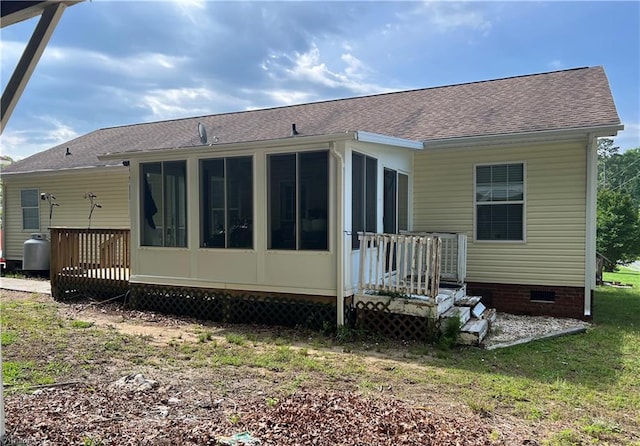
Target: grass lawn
<point x="573" y="390"/>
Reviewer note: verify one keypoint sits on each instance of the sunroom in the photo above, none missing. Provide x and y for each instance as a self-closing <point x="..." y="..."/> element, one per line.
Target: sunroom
<point x="271" y="231"/>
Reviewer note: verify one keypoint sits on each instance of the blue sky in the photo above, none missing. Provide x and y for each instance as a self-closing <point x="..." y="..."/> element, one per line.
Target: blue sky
<point x="112" y="63"/>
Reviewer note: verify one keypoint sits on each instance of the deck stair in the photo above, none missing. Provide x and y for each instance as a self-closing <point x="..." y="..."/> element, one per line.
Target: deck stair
<point x="475" y="318"/>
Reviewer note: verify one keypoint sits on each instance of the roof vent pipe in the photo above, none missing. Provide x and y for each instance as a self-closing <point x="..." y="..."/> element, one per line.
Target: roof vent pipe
<point x="294" y="132"/>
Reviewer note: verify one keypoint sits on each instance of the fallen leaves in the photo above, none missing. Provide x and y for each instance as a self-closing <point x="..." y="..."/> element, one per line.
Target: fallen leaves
<point x="120" y="416"/>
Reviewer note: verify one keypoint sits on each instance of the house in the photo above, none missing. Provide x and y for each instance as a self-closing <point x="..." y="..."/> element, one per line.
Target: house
<point x="270" y="204"/>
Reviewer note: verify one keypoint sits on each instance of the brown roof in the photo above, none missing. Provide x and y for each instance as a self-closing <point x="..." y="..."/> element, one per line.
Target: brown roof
<point x="568" y="99"/>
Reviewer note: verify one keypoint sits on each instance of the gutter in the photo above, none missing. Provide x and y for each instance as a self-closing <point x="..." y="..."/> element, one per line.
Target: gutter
<point x="520" y="137"/>
<point x="339" y="236"/>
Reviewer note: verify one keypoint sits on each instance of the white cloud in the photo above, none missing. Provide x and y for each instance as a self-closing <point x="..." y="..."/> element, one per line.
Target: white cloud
<point x="447" y="16"/>
<point x="136" y="65"/>
<point x="288" y="97"/>
<point x="10" y="50"/>
<point x="60" y="132"/>
<point x="13" y="145"/>
<point x="176" y="102"/>
<point x="629" y="138"/>
<point x="556" y="64"/>
<point x="355" y="68"/>
<point x="184" y="102"/>
<point x="309" y="67"/>
<point x="192" y="10"/>
<point x="19" y="144"/>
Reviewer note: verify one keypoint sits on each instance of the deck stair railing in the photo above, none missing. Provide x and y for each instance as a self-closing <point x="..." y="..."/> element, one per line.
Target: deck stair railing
<point x="400" y="263"/>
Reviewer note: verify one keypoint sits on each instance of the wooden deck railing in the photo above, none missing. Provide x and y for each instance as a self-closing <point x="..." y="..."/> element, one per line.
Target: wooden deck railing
<point x="89" y="260"/>
<point x="399" y="263"/>
<point x="453" y="262"/>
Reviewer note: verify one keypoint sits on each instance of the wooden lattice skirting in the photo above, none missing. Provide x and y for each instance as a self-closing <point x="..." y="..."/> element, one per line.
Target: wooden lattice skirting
<point x="375" y="318"/>
<point x="235" y="306"/>
<point x="68" y="288"/>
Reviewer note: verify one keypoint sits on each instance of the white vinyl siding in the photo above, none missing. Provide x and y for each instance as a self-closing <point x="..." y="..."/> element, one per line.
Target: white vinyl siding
<point x="553" y="252"/>
<point x="30" y="201"/>
<point x="110" y="185"/>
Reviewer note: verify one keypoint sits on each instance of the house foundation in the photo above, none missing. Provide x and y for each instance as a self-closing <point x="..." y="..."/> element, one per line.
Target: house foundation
<point x="534" y="300"/>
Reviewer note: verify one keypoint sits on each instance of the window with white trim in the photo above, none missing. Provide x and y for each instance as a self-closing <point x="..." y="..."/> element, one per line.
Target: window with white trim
<point x="499" y="198"/>
<point x="29" y="201"/>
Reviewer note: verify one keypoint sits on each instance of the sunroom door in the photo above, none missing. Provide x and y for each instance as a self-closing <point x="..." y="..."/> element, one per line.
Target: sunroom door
<point x="395" y="205"/>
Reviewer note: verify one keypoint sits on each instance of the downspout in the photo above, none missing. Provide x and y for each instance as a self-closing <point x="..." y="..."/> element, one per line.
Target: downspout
<point x="339" y="235"/>
<point x="591" y="211"/>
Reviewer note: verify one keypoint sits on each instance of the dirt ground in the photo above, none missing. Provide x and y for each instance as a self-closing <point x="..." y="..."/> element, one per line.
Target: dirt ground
<point x="120" y="403"/>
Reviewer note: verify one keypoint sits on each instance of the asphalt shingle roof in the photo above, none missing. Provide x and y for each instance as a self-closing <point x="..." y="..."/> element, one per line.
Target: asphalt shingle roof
<point x="568" y="99"/>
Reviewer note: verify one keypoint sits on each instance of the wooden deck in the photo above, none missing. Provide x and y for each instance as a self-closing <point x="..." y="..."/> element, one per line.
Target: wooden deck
<point x="95" y="262"/>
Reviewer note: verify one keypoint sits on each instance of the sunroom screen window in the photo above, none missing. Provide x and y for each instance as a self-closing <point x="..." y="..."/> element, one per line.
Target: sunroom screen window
<point x="500" y="202"/>
<point x="163" y="201"/>
<point x="299" y="201"/>
<point x="226" y="191"/>
<point x="364" y="172"/>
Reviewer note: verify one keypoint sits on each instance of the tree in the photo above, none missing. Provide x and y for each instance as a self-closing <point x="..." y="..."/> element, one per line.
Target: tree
<point x="618" y="203"/>
<point x="619" y="171"/>
<point x="618" y="227"/>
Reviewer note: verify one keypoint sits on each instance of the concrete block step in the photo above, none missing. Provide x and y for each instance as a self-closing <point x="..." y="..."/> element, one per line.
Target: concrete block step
<point x="461" y="292"/>
<point x="468" y="301"/>
<point x="443" y="304"/>
<point x="490" y="315"/>
<point x="463" y="313"/>
<point x="474" y="331"/>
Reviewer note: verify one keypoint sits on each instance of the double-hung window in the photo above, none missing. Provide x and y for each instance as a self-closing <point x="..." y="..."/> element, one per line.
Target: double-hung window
<point x="364" y="196"/>
<point x="299" y="201"/>
<point x="226" y="200"/>
<point x="499" y="198"/>
<point x="163" y="195"/>
<point x="29" y="201"/>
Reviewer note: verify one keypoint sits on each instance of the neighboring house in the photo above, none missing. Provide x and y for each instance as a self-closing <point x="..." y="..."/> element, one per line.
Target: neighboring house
<point x="272" y="202"/>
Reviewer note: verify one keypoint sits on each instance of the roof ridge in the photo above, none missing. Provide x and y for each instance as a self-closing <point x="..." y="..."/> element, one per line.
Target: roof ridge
<point x="325" y="101"/>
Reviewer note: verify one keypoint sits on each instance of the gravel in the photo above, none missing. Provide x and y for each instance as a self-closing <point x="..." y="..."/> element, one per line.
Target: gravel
<point x="510" y="329"/>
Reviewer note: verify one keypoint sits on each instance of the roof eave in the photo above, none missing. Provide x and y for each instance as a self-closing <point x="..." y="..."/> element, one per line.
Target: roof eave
<point x="299" y="140"/>
<point x="539" y="136"/>
<point x="378" y="138"/>
<point x="60" y="171"/>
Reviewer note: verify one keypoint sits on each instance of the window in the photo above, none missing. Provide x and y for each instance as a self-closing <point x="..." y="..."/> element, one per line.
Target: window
<point x="500" y="202"/>
<point x="364" y="179"/>
<point x="29" y="201"/>
<point x="395" y="202"/>
<point x="226" y="200"/>
<point x="403" y="202"/>
<point x="299" y="201"/>
<point x="163" y="207"/>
